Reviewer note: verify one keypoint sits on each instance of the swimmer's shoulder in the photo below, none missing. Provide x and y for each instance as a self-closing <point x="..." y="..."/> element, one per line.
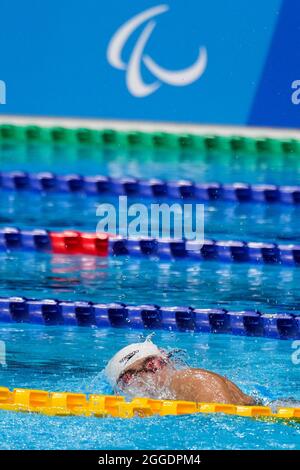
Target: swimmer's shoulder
<point x="197" y="373"/>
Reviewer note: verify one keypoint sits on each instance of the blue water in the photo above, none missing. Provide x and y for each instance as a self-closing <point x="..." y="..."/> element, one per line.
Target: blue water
<point x="183" y="282"/>
<point x="61" y="358"/>
<point x="223" y="220"/>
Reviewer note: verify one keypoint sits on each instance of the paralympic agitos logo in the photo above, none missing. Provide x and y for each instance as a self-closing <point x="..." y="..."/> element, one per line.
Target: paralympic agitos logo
<point x="138" y="58"/>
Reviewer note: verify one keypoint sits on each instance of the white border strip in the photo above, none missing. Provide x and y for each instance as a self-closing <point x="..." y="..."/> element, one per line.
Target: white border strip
<point x="150" y="126"/>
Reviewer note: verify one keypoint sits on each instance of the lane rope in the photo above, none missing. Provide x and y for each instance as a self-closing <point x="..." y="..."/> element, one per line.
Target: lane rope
<point x="47" y="182"/>
<point x="79" y="404"/>
<point x="112" y="138"/>
<point x="71" y="242"/>
<point x="170" y="318"/>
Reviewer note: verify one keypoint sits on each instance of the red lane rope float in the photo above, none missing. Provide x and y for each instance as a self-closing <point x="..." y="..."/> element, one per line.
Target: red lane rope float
<point x="73" y="242"/>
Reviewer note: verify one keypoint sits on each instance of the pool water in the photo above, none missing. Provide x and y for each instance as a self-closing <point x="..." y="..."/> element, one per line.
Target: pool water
<point x="269" y="288"/>
<point x="223" y="220"/>
<point x="72" y="358"/>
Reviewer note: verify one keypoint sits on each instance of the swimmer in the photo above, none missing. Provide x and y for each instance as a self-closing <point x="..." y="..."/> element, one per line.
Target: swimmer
<point x="142" y="369"/>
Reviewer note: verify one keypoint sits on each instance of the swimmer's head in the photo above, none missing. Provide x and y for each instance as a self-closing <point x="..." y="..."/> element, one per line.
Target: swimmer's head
<point x="146" y="356"/>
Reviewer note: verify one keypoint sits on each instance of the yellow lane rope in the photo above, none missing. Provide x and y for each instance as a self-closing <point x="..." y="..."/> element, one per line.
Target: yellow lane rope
<point x="79" y="404"/>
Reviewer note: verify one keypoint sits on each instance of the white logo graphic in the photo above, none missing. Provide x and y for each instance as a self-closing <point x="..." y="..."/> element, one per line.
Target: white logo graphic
<point x="134" y="80"/>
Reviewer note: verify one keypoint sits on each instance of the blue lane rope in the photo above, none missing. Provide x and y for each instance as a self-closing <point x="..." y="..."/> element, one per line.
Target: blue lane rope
<point x="74" y="242"/>
<point x="94" y="185"/>
<point x="83" y="313"/>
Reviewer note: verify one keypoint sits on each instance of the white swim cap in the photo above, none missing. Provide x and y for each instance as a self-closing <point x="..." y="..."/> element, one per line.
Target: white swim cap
<point x="127" y="356"/>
